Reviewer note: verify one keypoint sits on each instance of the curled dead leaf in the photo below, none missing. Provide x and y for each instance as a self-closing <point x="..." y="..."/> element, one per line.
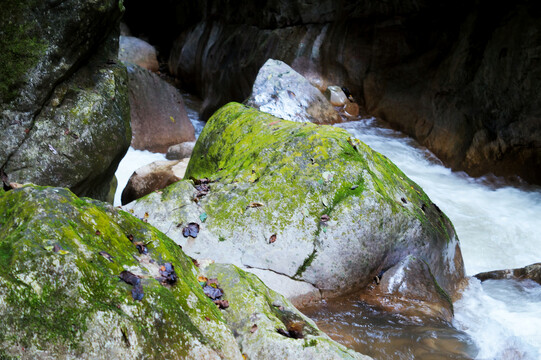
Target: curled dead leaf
<point x="255" y="204"/>
<point x="325" y="218"/>
<point x="222" y="304"/>
<point x="191" y="230"/>
<point x="107" y="255"/>
<point x="253" y="329"/>
<point x="272" y="238"/>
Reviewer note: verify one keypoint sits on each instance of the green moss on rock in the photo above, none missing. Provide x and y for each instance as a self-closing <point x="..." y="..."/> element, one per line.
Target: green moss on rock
<point x="255" y="313"/>
<point x="60" y="297"/>
<point x="20" y="44"/>
<point x="276" y="178"/>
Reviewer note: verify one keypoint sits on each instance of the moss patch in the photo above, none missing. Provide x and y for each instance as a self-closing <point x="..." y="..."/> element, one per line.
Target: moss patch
<point x="55" y="284"/>
<point x="20" y="45"/>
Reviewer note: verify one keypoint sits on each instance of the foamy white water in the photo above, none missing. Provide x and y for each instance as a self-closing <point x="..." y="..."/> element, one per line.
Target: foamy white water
<point x="498" y="228"/>
<point x="133" y="160"/>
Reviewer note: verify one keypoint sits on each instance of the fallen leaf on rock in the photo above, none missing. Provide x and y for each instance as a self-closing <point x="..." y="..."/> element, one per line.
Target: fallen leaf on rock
<point x="325" y="218"/>
<point x="137" y="292"/>
<point x="203" y="217"/>
<point x="212" y="292"/>
<point x="191" y="230"/>
<point x="325" y="202"/>
<point x="107" y="255"/>
<point x="141" y="247"/>
<point x="253" y="329"/>
<point x="272" y="238"/>
<point x="295" y="328"/>
<point x="167" y="271"/>
<point x="255" y="204"/>
<point x="200" y="181"/>
<point x="222" y="304"/>
<point x="202" y="279"/>
<point x="132" y="279"/>
<point x="129" y="277"/>
<point x="58" y="249"/>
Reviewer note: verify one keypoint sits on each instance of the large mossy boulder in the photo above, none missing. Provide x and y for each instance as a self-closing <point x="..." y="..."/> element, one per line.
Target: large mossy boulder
<point x="61" y="296"/>
<point x="266" y="325"/>
<point x="303" y="201"/>
<point x="63" y="101"/>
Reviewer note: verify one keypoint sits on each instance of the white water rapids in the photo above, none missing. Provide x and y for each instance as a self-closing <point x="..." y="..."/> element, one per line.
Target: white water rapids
<point x="498" y="228"/>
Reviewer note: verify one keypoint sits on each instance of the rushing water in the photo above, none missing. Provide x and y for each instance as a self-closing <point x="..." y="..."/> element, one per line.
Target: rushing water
<point x="498" y="227"/>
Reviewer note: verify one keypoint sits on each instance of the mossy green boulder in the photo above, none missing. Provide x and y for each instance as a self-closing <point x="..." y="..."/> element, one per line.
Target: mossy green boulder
<point x="64" y="109"/>
<point x="262" y="319"/>
<point x="61" y="296"/>
<point x="303" y="201"/>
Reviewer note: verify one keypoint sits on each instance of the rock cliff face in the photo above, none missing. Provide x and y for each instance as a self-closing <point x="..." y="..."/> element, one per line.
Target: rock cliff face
<point x="459" y="78"/>
<point x="63" y="99"/>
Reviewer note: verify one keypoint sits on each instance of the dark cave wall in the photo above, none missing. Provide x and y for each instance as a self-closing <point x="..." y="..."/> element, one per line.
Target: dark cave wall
<point x="460" y="77"/>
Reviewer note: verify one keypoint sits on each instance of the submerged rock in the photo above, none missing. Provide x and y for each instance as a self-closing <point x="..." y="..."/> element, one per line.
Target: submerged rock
<point x="303" y="201"/>
<point x="281" y="91"/>
<point x="158" y="115"/>
<point x="266" y="325"/>
<point x="532" y="272"/>
<point x="152" y="177"/>
<point x="138" y="52"/>
<point x="61" y="296"/>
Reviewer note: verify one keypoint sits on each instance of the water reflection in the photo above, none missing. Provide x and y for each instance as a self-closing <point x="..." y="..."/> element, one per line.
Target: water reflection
<point x="387" y="336"/>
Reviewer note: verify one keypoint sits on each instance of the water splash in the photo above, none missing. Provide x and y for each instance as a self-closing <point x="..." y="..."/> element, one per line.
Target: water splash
<point x="497" y="225"/>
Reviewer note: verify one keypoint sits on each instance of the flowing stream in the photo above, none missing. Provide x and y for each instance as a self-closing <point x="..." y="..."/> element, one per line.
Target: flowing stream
<point x="498" y="228"/>
<point x="497" y="225"/>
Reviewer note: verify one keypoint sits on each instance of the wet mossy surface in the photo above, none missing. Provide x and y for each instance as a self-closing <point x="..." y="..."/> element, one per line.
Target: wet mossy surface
<point x="337" y="212"/>
<point x="21" y="46"/>
<point x="256" y="313"/>
<point x="60" y="297"/>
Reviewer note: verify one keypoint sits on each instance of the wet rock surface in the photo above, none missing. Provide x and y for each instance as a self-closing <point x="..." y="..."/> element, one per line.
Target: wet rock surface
<point x="73" y="284"/>
<point x="303" y="201"/>
<point x="153" y="177"/>
<point x="462" y="82"/>
<point x="408" y="288"/>
<point x="138" y="52"/>
<point x="64" y="110"/>
<point x="180" y="151"/>
<point x="158" y="116"/>
<point x="281" y="91"/>
<point x="531" y="272"/>
<point x="266" y="325"/>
